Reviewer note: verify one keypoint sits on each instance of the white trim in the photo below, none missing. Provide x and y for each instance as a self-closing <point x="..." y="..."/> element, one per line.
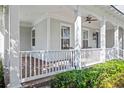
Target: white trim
<point x="25" y="24"/>
<point x="62" y="18"/>
<point x="68" y="25"/>
<point x="57" y="17"/>
<point x="40" y="19"/>
<point x="83" y="30"/>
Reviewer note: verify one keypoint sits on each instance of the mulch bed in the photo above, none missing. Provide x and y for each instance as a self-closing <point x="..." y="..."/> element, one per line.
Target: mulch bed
<point x="2" y="85"/>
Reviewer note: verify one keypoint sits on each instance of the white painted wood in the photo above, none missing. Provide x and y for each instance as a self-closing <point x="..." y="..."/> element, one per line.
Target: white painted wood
<point x="6" y="45"/>
<point x="116" y="39"/>
<point x="103" y="38"/>
<point x="78" y="41"/>
<point x="42" y="61"/>
<point x="34" y="65"/>
<point x="14" y="46"/>
<point x="25" y="38"/>
<point x="30" y="64"/>
<point x="55" y="27"/>
<point x="2" y="32"/>
<point x="39" y="64"/>
<point x="41" y="36"/>
<point x="26" y="65"/>
<point x="20" y="65"/>
<point x="46" y="62"/>
<point x="48" y="33"/>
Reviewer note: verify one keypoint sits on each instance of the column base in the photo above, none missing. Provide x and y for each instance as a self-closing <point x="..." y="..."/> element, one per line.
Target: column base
<point x="14" y="86"/>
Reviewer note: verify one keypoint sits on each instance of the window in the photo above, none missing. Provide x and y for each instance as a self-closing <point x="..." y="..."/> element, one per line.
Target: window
<point x="65" y="37"/>
<point x="85" y="39"/>
<point x="33" y="37"/>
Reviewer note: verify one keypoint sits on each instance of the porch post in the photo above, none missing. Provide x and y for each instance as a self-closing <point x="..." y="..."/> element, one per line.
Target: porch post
<point x="78" y="41"/>
<point x="6" y="45"/>
<point x="116" y="39"/>
<point x="103" y="39"/>
<point x="14" y="46"/>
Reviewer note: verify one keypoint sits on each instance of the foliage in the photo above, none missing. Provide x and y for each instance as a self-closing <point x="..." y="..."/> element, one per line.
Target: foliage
<point x="1" y="75"/>
<point x="109" y="74"/>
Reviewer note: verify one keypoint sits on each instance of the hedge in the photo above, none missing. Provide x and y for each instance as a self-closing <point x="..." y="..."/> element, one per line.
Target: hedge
<point x="2" y="85"/>
<point x="105" y="75"/>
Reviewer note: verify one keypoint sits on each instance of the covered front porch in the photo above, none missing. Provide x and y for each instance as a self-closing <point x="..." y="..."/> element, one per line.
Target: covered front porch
<point x="52" y="39"/>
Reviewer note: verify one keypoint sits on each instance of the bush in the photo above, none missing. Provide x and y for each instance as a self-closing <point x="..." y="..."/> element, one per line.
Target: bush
<point x="109" y="74"/>
<point x="2" y="85"/>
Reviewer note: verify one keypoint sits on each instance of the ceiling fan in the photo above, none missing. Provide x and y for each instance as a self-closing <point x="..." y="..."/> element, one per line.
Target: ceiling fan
<point x="90" y="18"/>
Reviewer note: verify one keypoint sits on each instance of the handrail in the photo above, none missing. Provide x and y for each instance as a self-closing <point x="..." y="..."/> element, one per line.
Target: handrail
<point x="49" y="50"/>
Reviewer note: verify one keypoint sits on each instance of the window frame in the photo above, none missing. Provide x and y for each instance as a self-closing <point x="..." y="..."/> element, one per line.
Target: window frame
<point x="65" y="38"/>
<point x="85" y="39"/>
<point x="33" y="29"/>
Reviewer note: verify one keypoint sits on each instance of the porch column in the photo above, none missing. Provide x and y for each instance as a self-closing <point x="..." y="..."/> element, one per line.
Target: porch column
<point x="14" y="46"/>
<point x="103" y="39"/>
<point x="6" y="45"/>
<point x="78" y="41"/>
<point x="116" y="40"/>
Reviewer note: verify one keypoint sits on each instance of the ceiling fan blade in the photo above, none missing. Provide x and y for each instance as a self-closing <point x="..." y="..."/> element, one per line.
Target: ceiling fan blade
<point x="93" y="20"/>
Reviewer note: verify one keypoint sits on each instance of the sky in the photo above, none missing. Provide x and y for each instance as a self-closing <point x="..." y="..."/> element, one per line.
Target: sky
<point x="120" y="7"/>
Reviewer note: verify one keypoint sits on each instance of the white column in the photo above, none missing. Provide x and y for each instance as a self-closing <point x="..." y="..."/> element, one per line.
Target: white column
<point x="6" y="47"/>
<point x="78" y="41"/>
<point x="2" y="30"/>
<point x="103" y="39"/>
<point x="14" y="46"/>
<point x="116" y="39"/>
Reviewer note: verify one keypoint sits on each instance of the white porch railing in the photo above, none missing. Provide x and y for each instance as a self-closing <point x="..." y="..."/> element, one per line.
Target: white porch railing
<point x="34" y="65"/>
<point x="39" y="64"/>
<point x="121" y="53"/>
<point x="111" y="53"/>
<point x="90" y="56"/>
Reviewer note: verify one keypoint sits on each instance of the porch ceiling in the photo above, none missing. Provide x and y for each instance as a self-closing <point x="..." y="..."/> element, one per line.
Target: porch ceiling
<point x="32" y="13"/>
<point x="29" y="14"/>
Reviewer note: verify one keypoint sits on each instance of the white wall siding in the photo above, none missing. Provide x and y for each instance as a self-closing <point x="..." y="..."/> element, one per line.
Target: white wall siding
<point x="109" y="38"/>
<point x="91" y="43"/>
<point x="41" y="35"/>
<point x="25" y="38"/>
<point x="56" y="34"/>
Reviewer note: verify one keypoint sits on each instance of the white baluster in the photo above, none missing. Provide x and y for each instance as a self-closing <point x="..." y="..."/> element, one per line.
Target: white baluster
<point x="39" y="64"/>
<point x="61" y="61"/>
<point x="53" y="58"/>
<point x="34" y="64"/>
<point x="60" y="68"/>
<point x="43" y="62"/>
<point x="25" y="65"/>
<point x="65" y="62"/>
<point x="46" y="61"/>
<point x="30" y="65"/>
<point x="21" y="65"/>
<point x="56" y="63"/>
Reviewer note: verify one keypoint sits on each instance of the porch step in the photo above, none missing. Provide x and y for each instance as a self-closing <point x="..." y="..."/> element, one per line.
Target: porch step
<point x="39" y="83"/>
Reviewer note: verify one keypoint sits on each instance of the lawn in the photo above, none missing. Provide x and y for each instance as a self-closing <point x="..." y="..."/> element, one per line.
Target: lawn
<point x="105" y="75"/>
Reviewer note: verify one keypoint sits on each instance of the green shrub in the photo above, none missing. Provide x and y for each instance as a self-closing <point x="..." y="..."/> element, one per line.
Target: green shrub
<point x="100" y="75"/>
<point x="1" y="75"/>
